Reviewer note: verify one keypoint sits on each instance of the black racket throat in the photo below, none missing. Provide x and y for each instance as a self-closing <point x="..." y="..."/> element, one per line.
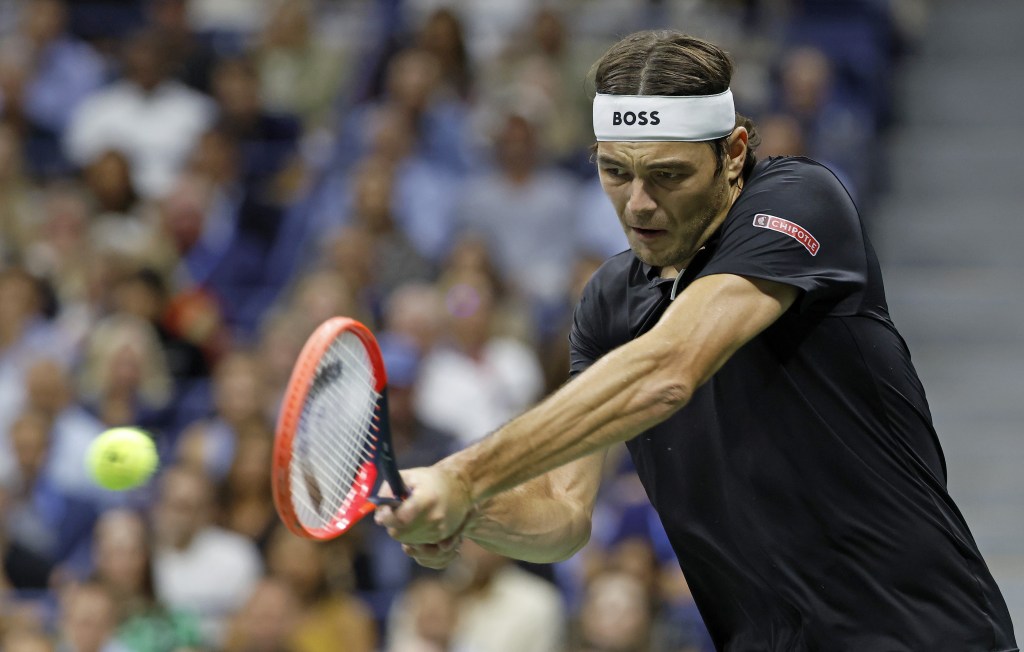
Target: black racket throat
<point x="386" y="463"/>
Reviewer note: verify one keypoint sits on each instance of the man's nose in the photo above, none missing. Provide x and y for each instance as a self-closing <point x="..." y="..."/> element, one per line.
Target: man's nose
<point x="640" y="201"/>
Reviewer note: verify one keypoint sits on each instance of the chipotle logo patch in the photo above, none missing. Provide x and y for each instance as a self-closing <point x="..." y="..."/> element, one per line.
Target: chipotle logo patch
<point x="792" y="229"/>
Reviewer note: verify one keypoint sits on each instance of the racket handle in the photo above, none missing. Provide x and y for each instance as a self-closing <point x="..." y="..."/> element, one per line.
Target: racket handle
<point x="385" y="500"/>
<point x="386" y="460"/>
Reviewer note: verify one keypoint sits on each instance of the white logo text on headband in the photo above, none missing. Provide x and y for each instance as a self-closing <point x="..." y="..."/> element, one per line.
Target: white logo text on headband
<point x="659" y="117"/>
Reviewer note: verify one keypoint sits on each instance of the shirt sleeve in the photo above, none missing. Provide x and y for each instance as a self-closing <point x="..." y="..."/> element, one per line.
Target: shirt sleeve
<point x="587" y="343"/>
<point x="797" y="225"/>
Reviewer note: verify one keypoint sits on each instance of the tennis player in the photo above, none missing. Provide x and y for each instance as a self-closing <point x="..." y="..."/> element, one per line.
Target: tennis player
<point x="744" y="352"/>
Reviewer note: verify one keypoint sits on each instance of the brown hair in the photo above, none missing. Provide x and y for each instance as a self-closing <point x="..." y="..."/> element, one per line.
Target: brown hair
<point x="667" y="62"/>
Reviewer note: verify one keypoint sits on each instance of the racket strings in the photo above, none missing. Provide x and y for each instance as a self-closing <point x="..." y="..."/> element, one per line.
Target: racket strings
<point x="337" y="433"/>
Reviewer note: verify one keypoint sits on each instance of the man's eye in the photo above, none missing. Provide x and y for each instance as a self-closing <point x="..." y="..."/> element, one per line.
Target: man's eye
<point x="668" y="176"/>
<point x="615" y="172"/>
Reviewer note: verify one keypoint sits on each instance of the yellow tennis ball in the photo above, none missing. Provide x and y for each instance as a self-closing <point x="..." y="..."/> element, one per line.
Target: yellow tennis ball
<point x="122" y="458"/>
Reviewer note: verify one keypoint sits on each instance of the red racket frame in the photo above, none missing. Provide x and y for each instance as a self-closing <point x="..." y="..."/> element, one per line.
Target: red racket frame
<point x="357" y="502"/>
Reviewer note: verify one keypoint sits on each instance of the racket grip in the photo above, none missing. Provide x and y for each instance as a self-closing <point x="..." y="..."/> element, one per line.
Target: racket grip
<point x="386" y="457"/>
<point x="385" y="500"/>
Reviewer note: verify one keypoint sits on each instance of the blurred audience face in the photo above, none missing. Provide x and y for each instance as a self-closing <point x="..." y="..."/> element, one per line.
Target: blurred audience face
<point x="20" y="301"/>
<point x="415" y="312"/>
<point x="806" y="77"/>
<point x="323" y="294"/>
<point x="215" y="158"/>
<point x="281" y="341"/>
<point x="297" y="562"/>
<point x="141" y="294"/>
<point x="476" y="566"/>
<point x="42" y="21"/>
<point x="66" y="221"/>
<point x="636" y="557"/>
<point x="183" y="210"/>
<point x="110" y="181"/>
<point x="146" y="60"/>
<point x="30" y="443"/>
<point x="183" y="508"/>
<point x="288" y="27"/>
<point x="549" y="32"/>
<point x="238" y="392"/>
<point x="250" y="470"/>
<point x="781" y="135"/>
<point x="516" y="146"/>
<point x="616" y="615"/>
<point x="350" y="253"/>
<point x="374" y="184"/>
<point x="236" y="87"/>
<point x="434" y="611"/>
<point x="121" y="552"/>
<point x="470" y="303"/>
<point x="413" y="77"/>
<point x="48" y="387"/>
<point x="267" y="620"/>
<point x="441" y="35"/>
<point x="88" y="617"/>
<point x="392" y="134"/>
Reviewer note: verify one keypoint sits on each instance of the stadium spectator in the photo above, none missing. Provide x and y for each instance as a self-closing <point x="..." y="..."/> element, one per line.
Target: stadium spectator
<point x="267" y="620"/>
<point x="123" y="564"/>
<point x="395" y="259"/>
<point x="319" y="576"/>
<point x="88" y="619"/>
<point x="300" y="72"/>
<point x="44" y="526"/>
<point x="124" y="378"/>
<point x="199" y="568"/>
<point x="616" y="615"/>
<point x="524" y="210"/>
<point x="266" y="140"/>
<point x="147" y="115"/>
<point x="424" y="617"/>
<point x="211" y="443"/>
<point x="60" y="72"/>
<point x="474" y="381"/>
<point x="245" y="501"/>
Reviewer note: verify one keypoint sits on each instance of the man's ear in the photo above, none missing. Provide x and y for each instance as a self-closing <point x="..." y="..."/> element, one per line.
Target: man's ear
<point x="736" y="153"/>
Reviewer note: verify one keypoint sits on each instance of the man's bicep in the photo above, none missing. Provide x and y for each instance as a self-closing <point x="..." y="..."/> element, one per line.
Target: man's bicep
<point x="714" y="317"/>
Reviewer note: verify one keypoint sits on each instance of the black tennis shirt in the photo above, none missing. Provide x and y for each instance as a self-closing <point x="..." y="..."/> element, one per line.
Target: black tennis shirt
<point x="803" y="487"/>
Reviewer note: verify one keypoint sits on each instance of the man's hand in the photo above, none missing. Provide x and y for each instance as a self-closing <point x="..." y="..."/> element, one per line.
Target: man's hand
<point x="435" y="555"/>
<point x="434" y="513"/>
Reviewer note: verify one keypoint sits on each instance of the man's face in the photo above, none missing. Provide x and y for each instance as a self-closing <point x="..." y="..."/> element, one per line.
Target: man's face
<point x="667" y="195"/>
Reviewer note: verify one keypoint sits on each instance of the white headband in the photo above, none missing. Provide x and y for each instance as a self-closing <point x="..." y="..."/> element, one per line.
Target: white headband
<point x="661" y="117"/>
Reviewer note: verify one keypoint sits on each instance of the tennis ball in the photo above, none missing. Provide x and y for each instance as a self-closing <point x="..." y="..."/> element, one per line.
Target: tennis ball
<point x="122" y="458"/>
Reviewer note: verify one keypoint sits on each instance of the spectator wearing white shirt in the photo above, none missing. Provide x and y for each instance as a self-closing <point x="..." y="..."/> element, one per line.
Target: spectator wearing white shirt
<point x="153" y="119"/>
<point x="476" y="379"/>
<point x="200" y="568"/>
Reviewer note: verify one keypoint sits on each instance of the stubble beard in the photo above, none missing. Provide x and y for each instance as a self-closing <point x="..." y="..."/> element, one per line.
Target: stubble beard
<point x="695" y="236"/>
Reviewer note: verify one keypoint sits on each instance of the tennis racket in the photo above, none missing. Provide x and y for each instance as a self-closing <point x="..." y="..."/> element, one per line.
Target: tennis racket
<point x="332" y="448"/>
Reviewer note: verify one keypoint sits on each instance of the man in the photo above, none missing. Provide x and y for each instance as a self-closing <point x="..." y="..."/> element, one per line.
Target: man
<point x="744" y="352"/>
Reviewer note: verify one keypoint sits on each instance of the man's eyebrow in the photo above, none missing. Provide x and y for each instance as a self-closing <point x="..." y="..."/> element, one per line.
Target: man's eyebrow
<point x="603" y="159"/>
<point x="677" y="164"/>
<point x="672" y="164"/>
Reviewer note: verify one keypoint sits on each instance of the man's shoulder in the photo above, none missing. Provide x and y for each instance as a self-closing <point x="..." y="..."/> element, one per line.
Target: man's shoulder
<point x="780" y="173"/>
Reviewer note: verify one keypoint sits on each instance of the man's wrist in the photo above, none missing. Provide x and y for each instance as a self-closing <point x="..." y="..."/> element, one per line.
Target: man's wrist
<point x="460" y="478"/>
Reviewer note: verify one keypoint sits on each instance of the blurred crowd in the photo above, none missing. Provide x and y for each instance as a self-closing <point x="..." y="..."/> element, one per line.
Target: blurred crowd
<point x="188" y="187"/>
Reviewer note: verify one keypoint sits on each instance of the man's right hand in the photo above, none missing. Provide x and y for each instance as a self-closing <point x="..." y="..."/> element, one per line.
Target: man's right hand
<point x="435" y="511"/>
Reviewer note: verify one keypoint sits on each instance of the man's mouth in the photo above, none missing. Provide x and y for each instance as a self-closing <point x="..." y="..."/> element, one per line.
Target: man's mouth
<point x="647" y="233"/>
